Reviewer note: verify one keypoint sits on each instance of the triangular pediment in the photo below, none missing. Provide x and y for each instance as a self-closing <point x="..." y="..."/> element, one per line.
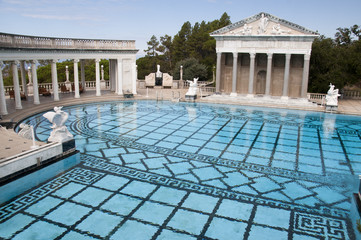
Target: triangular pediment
<point x="263" y="24"/>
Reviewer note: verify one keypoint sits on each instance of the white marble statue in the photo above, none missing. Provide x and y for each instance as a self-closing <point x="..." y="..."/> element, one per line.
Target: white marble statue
<point x="25" y="131"/>
<point x="247" y="30"/>
<point x="276" y="29"/>
<point x="193" y="87"/>
<point x="332" y="96"/>
<point x="158" y="74"/>
<point x="60" y="132"/>
<point x="262" y="26"/>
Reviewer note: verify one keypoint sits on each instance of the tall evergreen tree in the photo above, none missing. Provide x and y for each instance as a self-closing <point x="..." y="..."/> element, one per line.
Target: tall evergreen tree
<point x="180" y="41"/>
<point x="153" y="45"/>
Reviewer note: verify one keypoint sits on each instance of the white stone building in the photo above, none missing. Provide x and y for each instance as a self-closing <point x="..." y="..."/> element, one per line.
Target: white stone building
<point x="263" y="55"/>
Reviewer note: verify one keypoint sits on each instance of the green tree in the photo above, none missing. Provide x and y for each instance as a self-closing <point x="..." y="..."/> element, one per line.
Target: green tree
<point x="180" y="49"/>
<point x="153" y="45"/>
<point x="166" y="49"/>
<point x="191" y="69"/>
<point x="345" y="36"/>
<point x="322" y="65"/>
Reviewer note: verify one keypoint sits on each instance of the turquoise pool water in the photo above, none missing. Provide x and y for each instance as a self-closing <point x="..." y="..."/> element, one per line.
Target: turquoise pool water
<point x="161" y="170"/>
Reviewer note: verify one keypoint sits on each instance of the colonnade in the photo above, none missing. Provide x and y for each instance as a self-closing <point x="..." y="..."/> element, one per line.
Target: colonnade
<point x="115" y="70"/>
<point x="252" y="55"/>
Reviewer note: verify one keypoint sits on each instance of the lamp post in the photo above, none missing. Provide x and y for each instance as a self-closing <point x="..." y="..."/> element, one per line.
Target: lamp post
<point x="67" y="82"/>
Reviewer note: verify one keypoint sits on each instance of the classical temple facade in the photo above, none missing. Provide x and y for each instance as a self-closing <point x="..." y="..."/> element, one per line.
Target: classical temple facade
<point x="263" y="55"/>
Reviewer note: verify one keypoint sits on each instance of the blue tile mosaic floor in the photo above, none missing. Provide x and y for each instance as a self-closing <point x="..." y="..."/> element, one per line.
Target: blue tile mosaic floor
<point x="152" y="170"/>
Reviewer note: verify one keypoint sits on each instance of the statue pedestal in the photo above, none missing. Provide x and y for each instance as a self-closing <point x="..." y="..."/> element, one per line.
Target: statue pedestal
<point x="190" y="98"/>
<point x="102" y="84"/>
<point x="68" y="86"/>
<point x="60" y="134"/>
<point x="331" y="108"/>
<point x="30" y="88"/>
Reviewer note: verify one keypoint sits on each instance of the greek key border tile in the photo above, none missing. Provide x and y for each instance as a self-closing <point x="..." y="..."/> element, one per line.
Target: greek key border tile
<point x="320" y="226"/>
<point x="77" y="175"/>
<point x="98" y="163"/>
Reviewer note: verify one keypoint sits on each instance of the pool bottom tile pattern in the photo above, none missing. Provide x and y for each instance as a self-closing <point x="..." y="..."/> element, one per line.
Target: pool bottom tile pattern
<point x="143" y="203"/>
<point x="224" y="187"/>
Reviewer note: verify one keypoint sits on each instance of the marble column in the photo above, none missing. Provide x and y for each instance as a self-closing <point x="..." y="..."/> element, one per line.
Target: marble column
<point x="112" y="75"/>
<point x="97" y="78"/>
<point x="14" y="66"/>
<point x="251" y="74"/>
<point x="218" y="72"/>
<point x="82" y="74"/>
<point x="119" y="79"/>
<point x="234" y="74"/>
<point x="286" y="76"/>
<point x="306" y="69"/>
<point x="134" y="78"/>
<point x="3" y="109"/>
<point x="35" y="82"/>
<point x="23" y="77"/>
<point x="54" y="79"/>
<point x="269" y="73"/>
<point x="76" y="78"/>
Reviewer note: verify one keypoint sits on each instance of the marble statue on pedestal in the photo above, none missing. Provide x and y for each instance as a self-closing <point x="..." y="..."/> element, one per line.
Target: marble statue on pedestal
<point x="158" y="77"/>
<point x="193" y="88"/>
<point x="332" y="96"/>
<point x="60" y="132"/>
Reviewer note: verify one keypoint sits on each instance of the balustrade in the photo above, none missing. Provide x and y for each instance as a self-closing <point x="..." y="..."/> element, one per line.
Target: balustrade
<point x="49" y="86"/>
<point x="21" y="41"/>
<point x="351" y="94"/>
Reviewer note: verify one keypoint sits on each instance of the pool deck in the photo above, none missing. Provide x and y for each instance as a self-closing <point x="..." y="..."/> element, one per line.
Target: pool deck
<point x="11" y="144"/>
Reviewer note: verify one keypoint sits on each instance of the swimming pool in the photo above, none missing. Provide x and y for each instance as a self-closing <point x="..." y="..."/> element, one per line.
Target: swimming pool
<point x="161" y="170"/>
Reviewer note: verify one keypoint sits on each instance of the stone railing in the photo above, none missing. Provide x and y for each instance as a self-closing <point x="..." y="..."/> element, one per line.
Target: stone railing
<point x="206" y="91"/>
<point x="49" y="86"/>
<point x="318" y="98"/>
<point x="350" y="94"/>
<point x="22" y="41"/>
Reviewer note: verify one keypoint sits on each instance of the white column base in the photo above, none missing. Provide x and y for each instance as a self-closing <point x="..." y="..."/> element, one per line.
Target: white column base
<point x="250" y="96"/>
<point x="284" y="98"/>
<point x="233" y="94"/>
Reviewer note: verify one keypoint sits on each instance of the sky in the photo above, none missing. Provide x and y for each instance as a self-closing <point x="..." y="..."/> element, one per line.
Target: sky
<point x="140" y="19"/>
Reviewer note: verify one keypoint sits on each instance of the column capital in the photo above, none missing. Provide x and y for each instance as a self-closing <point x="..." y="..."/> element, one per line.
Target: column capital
<point x="16" y="62"/>
<point x="54" y="60"/>
<point x="235" y="54"/>
<point x="76" y="60"/>
<point x="1" y="64"/>
<point x="252" y="54"/>
<point x="34" y="61"/>
<point x="219" y="53"/>
<point x="288" y="55"/>
<point x="97" y="60"/>
<point x="269" y="55"/>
